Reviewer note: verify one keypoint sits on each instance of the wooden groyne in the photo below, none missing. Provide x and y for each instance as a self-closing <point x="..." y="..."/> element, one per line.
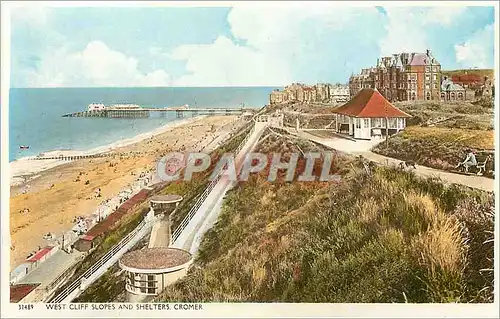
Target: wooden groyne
<point x="69" y="157"/>
<point x="146" y="112"/>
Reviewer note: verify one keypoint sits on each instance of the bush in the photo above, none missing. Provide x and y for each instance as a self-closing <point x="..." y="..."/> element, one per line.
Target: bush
<point x="387" y="236"/>
<point x="439" y="148"/>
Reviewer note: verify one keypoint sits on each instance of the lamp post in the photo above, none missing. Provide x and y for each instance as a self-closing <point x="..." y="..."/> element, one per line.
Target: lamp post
<point x="386" y="128"/>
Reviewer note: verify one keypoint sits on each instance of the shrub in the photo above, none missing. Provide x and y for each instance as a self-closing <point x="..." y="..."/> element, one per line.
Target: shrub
<point x="387" y="236"/>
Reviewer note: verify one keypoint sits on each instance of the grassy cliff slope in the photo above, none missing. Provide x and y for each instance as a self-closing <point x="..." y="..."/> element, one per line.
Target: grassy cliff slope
<point x="379" y="236"/>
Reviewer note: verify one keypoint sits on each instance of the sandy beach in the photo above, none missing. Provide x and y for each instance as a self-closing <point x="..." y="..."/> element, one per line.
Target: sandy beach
<point x="26" y="168"/>
<point x="46" y="195"/>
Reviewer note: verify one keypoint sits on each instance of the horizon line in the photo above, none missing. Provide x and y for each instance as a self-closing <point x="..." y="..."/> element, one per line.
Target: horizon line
<point x="142" y="87"/>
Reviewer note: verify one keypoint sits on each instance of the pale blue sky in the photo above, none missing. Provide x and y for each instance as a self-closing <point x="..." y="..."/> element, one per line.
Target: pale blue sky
<point x="243" y="45"/>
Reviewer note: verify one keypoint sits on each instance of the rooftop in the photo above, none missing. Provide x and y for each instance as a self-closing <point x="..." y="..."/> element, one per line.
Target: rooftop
<point x="166" y="199"/>
<point x="19" y="291"/>
<point x="370" y="103"/>
<point x="39" y="254"/>
<point x="109" y="222"/>
<point x="155" y="258"/>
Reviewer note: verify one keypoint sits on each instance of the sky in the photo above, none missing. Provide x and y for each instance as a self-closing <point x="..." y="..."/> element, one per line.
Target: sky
<point x="243" y="45"/>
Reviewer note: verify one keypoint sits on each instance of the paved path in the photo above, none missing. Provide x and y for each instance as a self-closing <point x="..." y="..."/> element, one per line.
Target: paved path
<point x="48" y="271"/>
<point x="52" y="267"/>
<point x="363" y="148"/>
<point x="160" y="235"/>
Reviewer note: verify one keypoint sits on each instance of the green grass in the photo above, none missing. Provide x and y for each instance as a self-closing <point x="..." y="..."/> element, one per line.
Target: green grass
<point x="440" y="148"/>
<point x="477" y="115"/>
<point x="109" y="286"/>
<point x="108" y="240"/>
<point x="482" y="72"/>
<point x="106" y="289"/>
<point x="387" y="236"/>
<point x="190" y="190"/>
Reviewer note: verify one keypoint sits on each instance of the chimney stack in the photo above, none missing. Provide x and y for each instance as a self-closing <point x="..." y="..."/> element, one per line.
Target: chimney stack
<point x="428" y="52"/>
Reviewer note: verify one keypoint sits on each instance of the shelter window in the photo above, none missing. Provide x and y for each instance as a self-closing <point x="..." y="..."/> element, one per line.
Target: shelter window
<point x="358" y="123"/>
<point x="393" y="123"/>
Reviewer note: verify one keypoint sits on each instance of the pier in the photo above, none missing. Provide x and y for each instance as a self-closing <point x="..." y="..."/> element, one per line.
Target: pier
<point x="180" y="112"/>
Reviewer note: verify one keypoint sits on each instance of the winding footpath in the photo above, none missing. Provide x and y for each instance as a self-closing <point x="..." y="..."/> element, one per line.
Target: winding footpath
<point x="363" y="148"/>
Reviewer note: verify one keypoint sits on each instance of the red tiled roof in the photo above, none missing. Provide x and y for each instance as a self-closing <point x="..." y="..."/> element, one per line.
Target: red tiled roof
<point x="114" y="217"/>
<point x="87" y="237"/>
<point x="19" y="291"/>
<point x="39" y="254"/>
<point x="370" y="103"/>
<point x="467" y="78"/>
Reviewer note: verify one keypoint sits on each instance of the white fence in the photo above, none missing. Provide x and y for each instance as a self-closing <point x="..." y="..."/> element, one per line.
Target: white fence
<point x="71" y="288"/>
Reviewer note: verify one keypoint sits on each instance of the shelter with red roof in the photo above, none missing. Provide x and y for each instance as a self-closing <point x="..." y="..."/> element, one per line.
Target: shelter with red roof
<point x="369" y="114"/>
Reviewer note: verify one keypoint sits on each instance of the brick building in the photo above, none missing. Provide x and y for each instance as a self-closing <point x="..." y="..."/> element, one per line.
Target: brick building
<point x="402" y="77"/>
<point x="482" y="86"/>
<point x="339" y="93"/>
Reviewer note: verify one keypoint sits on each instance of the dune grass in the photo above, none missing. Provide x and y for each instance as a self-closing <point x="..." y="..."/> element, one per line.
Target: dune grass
<point x="436" y="147"/>
<point x="382" y="236"/>
<point x="478" y="115"/>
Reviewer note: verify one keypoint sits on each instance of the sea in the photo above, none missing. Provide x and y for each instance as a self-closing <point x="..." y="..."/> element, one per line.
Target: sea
<point x="35" y="115"/>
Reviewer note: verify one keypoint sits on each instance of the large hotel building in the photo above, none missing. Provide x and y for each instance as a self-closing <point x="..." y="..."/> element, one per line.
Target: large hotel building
<point x="402" y="77"/>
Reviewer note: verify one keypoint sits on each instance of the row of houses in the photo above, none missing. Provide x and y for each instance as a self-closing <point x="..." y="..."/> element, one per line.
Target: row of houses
<point x="321" y="92"/>
<point x="416" y="76"/>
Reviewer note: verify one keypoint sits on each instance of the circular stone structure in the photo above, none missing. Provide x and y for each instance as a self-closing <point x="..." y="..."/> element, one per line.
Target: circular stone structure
<point x="150" y="270"/>
<point x="166" y="199"/>
<point x="165" y="204"/>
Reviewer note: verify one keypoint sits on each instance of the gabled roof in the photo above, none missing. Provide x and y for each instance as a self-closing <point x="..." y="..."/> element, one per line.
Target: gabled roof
<point x="370" y="103"/>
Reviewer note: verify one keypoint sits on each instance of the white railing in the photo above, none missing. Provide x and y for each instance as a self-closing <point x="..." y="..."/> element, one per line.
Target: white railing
<point x="177" y="232"/>
<point x="89" y="272"/>
<point x="193" y="209"/>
